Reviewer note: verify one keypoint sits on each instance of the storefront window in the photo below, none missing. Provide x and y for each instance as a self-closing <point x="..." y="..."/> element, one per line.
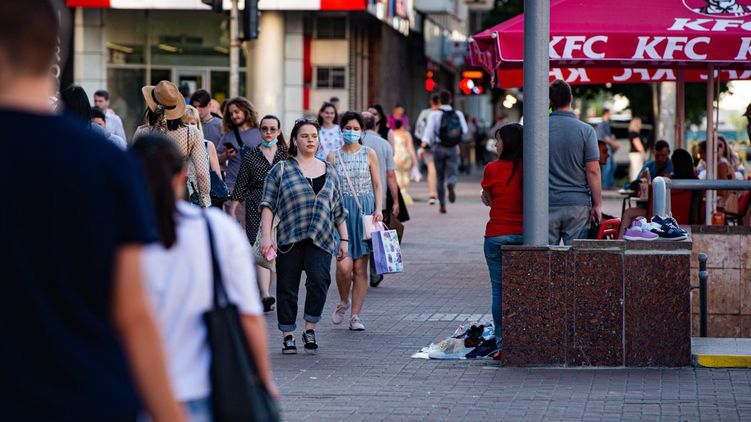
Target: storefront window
<point x="124" y="86"/>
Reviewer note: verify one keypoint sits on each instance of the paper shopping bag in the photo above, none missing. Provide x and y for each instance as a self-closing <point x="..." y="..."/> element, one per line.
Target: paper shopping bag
<point x="386" y="252"/>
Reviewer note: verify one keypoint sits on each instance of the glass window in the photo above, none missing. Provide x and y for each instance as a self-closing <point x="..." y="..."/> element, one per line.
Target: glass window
<point x="330" y="77"/>
<point x="125" y="96"/>
<point x="158" y="75"/>
<point x="331" y="27"/>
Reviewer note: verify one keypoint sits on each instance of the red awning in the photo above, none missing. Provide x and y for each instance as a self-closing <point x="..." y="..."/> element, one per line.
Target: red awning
<point x="628" y="34"/>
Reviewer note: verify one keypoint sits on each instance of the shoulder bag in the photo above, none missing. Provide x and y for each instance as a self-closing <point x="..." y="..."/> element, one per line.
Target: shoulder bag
<point x="368" y="226"/>
<point x="260" y="259"/>
<point x="244" y="149"/>
<point x="238" y="394"/>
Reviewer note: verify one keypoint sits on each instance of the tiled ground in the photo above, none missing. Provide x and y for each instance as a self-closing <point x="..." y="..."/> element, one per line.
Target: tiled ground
<point x="370" y="376"/>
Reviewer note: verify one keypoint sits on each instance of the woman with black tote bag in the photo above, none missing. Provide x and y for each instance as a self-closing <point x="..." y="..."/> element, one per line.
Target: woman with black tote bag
<point x="202" y="286"/>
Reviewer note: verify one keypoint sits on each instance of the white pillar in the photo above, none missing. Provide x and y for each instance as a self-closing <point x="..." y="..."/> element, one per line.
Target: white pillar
<point x="293" y="70"/>
<point x="666" y="129"/>
<point x="266" y="70"/>
<point x="89" y="57"/>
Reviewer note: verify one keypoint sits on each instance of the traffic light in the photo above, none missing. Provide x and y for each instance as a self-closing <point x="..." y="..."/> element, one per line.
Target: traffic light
<point x="250" y="20"/>
<point x="216" y="5"/>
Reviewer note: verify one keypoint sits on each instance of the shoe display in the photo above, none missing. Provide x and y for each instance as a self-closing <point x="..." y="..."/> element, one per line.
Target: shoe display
<point x="666" y="230"/>
<point x="309" y="341"/>
<point x="355" y="324"/>
<point x="452" y="194"/>
<point x="338" y="315"/>
<point x="670" y="221"/>
<point x="432" y="200"/>
<point x="268" y="304"/>
<point x="288" y="345"/>
<point x="640" y="229"/>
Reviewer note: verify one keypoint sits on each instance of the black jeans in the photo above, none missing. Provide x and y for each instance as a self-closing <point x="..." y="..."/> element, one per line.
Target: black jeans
<point x="302" y="256"/>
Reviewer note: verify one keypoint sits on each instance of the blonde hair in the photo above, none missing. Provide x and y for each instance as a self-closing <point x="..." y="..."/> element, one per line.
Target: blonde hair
<point x="192" y="113"/>
<point x="634" y="125"/>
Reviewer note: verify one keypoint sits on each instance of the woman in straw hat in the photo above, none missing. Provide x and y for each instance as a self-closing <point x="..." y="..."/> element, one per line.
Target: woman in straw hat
<point x="164" y="113"/>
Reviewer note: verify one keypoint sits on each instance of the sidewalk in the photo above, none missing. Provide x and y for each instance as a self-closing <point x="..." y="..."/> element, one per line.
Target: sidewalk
<point x="370" y="376"/>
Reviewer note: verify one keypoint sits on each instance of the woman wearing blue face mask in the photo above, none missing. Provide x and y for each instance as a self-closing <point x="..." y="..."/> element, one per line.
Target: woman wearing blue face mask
<point x="357" y="167"/>
<point x="249" y="188"/>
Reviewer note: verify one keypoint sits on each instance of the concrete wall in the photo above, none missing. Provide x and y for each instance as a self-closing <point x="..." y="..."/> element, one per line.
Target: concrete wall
<point x="729" y="284"/>
<point x="89" y="56"/>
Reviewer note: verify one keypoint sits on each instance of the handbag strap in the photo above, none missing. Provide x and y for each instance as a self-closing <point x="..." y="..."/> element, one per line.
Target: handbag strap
<point x="278" y="194"/>
<point x="349" y="181"/>
<point x="221" y="299"/>
<point x="238" y="138"/>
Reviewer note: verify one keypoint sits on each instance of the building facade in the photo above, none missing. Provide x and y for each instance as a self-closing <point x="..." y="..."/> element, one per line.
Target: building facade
<point x="361" y="51"/>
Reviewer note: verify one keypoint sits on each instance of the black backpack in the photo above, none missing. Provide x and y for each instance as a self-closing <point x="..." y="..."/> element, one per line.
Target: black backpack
<point x="450" y="131"/>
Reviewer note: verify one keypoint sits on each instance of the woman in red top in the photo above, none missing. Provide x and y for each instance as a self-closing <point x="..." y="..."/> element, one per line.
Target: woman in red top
<point x="502" y="192"/>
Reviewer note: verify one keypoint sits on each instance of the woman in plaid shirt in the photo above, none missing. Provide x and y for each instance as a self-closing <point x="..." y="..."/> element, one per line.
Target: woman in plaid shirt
<point x="305" y="193"/>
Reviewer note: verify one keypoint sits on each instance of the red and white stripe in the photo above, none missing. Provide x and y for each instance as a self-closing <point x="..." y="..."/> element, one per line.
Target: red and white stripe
<point x="325" y="5"/>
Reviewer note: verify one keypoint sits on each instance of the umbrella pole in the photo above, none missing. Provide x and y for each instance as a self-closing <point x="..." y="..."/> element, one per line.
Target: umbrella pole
<point x="536" y="101"/>
<point x="680" y="110"/>
<point x="711" y="159"/>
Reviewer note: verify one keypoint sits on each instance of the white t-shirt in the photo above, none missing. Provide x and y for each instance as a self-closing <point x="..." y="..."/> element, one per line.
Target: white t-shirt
<point x="179" y="282"/>
<point x="330" y="141"/>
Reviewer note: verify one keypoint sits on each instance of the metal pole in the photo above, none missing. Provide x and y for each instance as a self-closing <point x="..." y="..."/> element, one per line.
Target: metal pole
<point x="703" y="277"/>
<point x="680" y="109"/>
<point x="710" y="159"/>
<point x="536" y="103"/>
<point x="234" y="52"/>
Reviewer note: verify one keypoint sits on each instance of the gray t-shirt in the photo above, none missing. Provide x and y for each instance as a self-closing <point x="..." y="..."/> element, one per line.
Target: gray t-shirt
<point x="251" y="138"/>
<point x="573" y="143"/>
<point x="385" y="155"/>
<point x="212" y="130"/>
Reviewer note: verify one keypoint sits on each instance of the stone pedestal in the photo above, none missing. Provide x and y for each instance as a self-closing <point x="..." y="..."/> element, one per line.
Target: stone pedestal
<point x="597" y="303"/>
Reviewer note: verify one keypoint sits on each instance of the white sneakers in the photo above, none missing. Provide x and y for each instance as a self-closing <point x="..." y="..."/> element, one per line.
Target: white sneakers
<point x="338" y="315"/>
<point x="355" y="324"/>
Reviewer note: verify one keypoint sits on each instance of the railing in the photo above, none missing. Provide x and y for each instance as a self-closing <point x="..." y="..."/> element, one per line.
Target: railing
<point x="661" y="189"/>
<point x="702" y="286"/>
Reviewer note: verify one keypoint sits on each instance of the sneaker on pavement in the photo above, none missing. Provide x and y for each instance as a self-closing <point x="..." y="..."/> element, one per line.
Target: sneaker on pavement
<point x="309" y="341"/>
<point x="442" y="210"/>
<point x="338" y="315"/>
<point x="355" y="324"/>
<point x="288" y="345"/>
<point x="666" y="230"/>
<point x="640" y="229"/>
<point x="670" y="221"/>
<point x="452" y="194"/>
<point x="432" y="200"/>
<point x="268" y="304"/>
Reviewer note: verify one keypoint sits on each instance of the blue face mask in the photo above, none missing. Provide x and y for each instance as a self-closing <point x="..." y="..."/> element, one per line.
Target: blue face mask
<point x="270" y="143"/>
<point x="351" y="137"/>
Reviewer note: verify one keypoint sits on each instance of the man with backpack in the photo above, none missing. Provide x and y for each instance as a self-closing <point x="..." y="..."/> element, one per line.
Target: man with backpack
<point x="444" y="132"/>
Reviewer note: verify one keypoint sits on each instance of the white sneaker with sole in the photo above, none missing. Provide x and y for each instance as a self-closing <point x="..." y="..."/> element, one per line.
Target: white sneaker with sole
<point x="338" y="315"/>
<point x="355" y="324"/>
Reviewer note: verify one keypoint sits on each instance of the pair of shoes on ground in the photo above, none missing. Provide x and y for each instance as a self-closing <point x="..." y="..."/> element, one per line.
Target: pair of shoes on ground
<point x="309" y="343"/>
<point x="268" y="304"/>
<point x="662" y="228"/>
<point x="355" y="323"/>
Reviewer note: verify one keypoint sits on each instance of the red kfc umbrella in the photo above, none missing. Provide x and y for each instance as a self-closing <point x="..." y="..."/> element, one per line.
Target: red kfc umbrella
<point x="628" y="34"/>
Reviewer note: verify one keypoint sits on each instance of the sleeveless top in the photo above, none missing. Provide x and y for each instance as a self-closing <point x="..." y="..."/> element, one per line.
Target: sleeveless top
<point x="358" y="168"/>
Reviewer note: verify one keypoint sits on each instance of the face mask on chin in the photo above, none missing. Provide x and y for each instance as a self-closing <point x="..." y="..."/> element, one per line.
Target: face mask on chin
<point x="351" y="137"/>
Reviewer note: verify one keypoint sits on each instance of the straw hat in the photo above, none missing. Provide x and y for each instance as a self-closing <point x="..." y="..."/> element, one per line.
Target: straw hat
<point x="165" y="94"/>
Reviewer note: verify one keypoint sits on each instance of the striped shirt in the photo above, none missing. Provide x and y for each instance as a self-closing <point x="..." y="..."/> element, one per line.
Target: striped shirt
<point x="302" y="213"/>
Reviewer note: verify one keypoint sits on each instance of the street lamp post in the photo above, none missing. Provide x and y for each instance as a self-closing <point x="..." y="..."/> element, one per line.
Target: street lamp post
<point x="536" y="103"/>
<point x="234" y="52"/>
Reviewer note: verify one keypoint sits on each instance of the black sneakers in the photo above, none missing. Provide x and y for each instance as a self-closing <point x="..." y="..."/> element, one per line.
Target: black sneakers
<point x="309" y="340"/>
<point x="452" y="194"/>
<point x="288" y="346"/>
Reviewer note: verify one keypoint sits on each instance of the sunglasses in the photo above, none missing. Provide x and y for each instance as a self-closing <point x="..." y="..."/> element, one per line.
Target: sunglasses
<point x="307" y="121"/>
<point x="269" y="129"/>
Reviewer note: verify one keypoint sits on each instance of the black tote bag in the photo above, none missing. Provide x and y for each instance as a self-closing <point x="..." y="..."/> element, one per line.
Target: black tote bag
<point x="238" y="394"/>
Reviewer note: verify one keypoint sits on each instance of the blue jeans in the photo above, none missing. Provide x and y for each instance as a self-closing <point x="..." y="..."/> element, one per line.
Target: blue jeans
<point x="447" y="169"/>
<point x="199" y="410"/>
<point x="493" y="256"/>
<point x="608" y="171"/>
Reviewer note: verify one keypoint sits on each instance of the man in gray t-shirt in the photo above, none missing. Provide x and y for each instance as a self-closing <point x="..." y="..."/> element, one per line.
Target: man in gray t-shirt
<point x="574" y="191"/>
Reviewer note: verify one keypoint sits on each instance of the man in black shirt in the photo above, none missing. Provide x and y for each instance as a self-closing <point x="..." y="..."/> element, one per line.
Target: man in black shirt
<point x="79" y="341"/>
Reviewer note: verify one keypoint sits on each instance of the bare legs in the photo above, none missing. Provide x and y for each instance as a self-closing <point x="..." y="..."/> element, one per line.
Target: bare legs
<point x="352" y="277"/>
<point x="264" y="280"/>
<point x="432" y="179"/>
